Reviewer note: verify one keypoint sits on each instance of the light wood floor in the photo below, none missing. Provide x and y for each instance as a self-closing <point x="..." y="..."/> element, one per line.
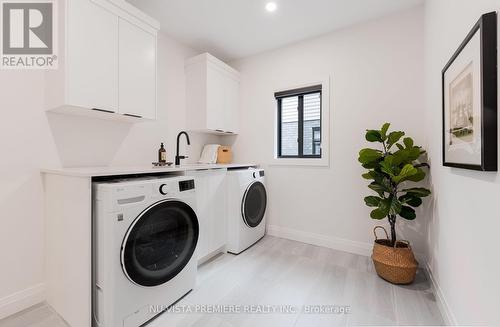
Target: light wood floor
<point x="282" y="274"/>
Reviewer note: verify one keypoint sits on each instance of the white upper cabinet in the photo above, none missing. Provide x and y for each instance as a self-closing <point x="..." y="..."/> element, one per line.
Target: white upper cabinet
<point x="212" y="95"/>
<point x="108" y="66"/>
<point x="232" y="103"/>
<point x="92" y="69"/>
<point x="137" y="66"/>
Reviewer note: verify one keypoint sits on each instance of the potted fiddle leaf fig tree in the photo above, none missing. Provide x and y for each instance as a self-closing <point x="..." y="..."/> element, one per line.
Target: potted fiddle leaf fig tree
<point x="391" y="167"/>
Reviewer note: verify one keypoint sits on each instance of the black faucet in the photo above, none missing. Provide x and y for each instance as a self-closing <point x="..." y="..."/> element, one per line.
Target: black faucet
<point x="177" y="156"/>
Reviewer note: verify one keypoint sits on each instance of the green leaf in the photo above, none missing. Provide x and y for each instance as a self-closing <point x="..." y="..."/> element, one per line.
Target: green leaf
<point x="373" y="136"/>
<point x="374" y="174"/>
<point x="413" y="153"/>
<point x="408" y="213"/>
<point x="400" y="147"/>
<point x="418" y="191"/>
<point x="379" y="187"/>
<point x="415" y="202"/>
<point x="400" y="156"/>
<point x="369" y="155"/>
<point x="385" y="205"/>
<point x="420" y="175"/>
<point x="408" y="141"/>
<point x="378" y="214"/>
<point x="380" y="178"/>
<point x="371" y="165"/>
<point x="383" y="131"/>
<point x="394" y="137"/>
<point x="368" y="175"/>
<point x="407" y="171"/>
<point x="406" y="155"/>
<point x="372" y="201"/>
<point x="411" y="200"/>
<point x="387" y="168"/>
<point x="389" y="159"/>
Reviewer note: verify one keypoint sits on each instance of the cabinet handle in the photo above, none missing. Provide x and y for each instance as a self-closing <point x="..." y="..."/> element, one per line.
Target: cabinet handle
<point x="104" y="110"/>
<point x="130" y="115"/>
<point x="228" y="132"/>
<point x="219" y="130"/>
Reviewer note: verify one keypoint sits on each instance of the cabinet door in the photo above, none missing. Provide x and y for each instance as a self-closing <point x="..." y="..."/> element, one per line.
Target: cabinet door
<point x="232" y="104"/>
<point x="211" y="209"/>
<point x="218" y="209"/>
<point x="137" y="71"/>
<point x="92" y="52"/>
<point x="216" y="98"/>
<point x="196" y="98"/>
<point x="203" y="212"/>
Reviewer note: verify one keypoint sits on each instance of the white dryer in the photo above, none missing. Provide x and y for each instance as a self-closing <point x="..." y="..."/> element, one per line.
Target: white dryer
<point x="145" y="236"/>
<point x="246" y="208"/>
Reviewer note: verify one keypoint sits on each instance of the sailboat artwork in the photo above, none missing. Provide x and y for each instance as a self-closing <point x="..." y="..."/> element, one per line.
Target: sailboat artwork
<point x="461" y="108"/>
<point x="469" y="100"/>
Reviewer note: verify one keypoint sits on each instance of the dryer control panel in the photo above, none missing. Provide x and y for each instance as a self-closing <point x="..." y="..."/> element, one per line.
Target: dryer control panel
<point x="186" y="185"/>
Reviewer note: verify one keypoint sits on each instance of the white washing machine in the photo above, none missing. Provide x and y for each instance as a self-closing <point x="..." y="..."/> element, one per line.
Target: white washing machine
<point x="246" y="208"/>
<point x="145" y="236"/>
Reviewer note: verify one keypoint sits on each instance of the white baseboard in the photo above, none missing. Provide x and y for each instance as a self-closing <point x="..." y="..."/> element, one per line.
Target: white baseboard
<point x="21" y="300"/>
<point x="321" y="240"/>
<point x="448" y="316"/>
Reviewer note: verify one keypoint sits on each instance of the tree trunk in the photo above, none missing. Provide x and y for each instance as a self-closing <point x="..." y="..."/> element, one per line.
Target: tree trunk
<point x="392" y="221"/>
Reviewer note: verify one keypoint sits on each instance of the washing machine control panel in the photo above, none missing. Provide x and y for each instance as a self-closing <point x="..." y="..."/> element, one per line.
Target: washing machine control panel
<point x="173" y="187"/>
<point x="257" y="174"/>
<point x="163" y="189"/>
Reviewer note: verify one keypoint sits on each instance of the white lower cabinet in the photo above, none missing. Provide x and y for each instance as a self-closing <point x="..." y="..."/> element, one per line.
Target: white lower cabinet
<point x="211" y="209"/>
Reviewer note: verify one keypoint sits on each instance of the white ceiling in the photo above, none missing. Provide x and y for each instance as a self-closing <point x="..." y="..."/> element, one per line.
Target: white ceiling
<point x="232" y="29"/>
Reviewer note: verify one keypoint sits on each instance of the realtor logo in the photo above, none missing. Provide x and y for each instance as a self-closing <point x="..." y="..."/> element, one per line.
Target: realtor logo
<point x="28" y="35"/>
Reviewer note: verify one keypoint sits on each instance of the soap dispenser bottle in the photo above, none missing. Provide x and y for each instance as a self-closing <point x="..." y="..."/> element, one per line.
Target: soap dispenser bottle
<point x="162" y="154"/>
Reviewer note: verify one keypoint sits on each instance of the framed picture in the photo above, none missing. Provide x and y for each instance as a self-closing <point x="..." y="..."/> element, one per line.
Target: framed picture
<point x="470" y="100"/>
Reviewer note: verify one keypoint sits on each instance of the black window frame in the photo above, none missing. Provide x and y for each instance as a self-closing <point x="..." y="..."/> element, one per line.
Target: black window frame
<point x="314" y="145"/>
<point x="300" y="93"/>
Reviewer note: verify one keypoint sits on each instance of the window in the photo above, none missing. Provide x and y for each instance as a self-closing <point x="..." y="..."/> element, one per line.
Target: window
<point x="316" y="140"/>
<point x="299" y="123"/>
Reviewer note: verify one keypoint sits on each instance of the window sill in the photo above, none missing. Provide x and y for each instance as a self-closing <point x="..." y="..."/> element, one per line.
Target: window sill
<point x="305" y="162"/>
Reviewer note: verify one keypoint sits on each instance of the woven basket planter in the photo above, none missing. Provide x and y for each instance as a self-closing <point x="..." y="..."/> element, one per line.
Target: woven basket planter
<point x="395" y="264"/>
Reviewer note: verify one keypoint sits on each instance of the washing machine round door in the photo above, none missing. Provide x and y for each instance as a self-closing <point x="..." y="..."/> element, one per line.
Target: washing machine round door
<point x="159" y="243"/>
<point x="253" y="206"/>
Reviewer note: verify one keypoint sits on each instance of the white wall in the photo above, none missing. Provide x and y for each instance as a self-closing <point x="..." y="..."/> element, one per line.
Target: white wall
<point x="463" y="234"/>
<point x="376" y="72"/>
<point x="26" y="145"/>
<point x="31" y="139"/>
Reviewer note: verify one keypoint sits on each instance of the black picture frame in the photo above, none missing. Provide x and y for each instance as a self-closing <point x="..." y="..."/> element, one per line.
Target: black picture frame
<point x="487" y="27"/>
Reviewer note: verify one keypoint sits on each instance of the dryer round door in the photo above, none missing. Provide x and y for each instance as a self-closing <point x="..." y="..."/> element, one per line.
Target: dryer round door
<point x="253" y="206"/>
<point x="159" y="243"/>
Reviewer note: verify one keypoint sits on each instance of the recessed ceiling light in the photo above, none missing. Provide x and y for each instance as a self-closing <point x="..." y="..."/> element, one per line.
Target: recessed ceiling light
<point x="271" y="6"/>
